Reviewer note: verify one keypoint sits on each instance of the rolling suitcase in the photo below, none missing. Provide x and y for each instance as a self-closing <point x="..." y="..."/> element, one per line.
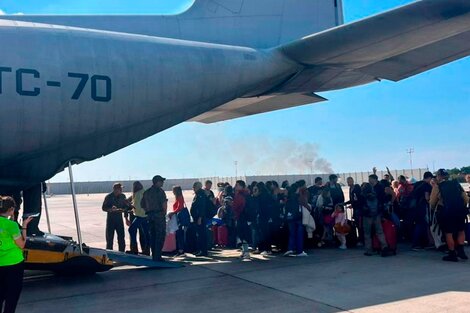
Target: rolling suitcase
<point x="390" y="232"/>
<point x="170" y="243"/>
<point x="222" y="236"/>
<point x="215" y="234"/>
<point x="352" y="236"/>
<point x="210" y="239"/>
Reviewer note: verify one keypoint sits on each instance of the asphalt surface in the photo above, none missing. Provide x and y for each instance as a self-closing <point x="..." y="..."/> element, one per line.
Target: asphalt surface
<point x="327" y="280"/>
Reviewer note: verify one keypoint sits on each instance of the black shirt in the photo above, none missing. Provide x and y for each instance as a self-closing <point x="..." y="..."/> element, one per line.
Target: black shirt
<point x="119" y="202"/>
<point x="199" y="205"/>
<point x="419" y="193"/>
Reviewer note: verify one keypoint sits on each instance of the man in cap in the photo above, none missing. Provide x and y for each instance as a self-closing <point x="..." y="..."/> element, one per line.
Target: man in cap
<point x="154" y="202"/>
<point x="115" y="204"/>
<point x="450" y="201"/>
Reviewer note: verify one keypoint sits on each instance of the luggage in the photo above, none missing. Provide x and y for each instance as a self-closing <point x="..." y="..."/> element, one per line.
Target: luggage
<point x="352" y="236"/>
<point x="210" y="239"/>
<point x="222" y="235"/>
<point x="170" y="243"/>
<point x="390" y="232"/>
<point x="467" y="231"/>
<point x="436" y="232"/>
<point x="183" y="217"/>
<point x="215" y="234"/>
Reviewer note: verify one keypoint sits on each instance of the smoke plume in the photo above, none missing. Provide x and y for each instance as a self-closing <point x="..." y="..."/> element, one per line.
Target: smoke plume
<point x="262" y="155"/>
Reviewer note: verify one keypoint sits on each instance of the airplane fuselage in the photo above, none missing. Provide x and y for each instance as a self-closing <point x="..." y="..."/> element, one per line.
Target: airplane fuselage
<point x="71" y="94"/>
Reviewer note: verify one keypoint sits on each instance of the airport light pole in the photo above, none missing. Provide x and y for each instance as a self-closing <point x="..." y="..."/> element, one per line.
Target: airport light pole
<point x="311" y="171"/>
<point x="236" y="169"/>
<point x="410" y="152"/>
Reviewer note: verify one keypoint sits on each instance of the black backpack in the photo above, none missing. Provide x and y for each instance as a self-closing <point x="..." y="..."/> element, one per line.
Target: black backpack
<point x="211" y="209"/>
<point x="451" y="193"/>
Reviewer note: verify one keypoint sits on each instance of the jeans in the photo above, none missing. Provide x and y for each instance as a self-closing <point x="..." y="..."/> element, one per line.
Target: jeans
<point x="11" y="284"/>
<point x="296" y="236"/>
<point x="420" y="231"/>
<point x="141" y="224"/>
<point x="376" y="223"/>
<point x="180" y="236"/>
<point x="115" y="224"/>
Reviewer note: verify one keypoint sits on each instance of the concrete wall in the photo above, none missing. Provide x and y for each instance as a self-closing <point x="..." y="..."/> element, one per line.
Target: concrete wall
<point x="186" y="184"/>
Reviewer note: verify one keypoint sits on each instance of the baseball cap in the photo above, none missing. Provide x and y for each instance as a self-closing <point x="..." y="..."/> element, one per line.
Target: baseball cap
<point x="158" y="178"/>
<point x="442" y="172"/>
<point x="428" y="175"/>
<point x="117" y="186"/>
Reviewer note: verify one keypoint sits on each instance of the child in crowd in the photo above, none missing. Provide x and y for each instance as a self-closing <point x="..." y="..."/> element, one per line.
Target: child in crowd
<point x="341" y="226"/>
<point x="225" y="215"/>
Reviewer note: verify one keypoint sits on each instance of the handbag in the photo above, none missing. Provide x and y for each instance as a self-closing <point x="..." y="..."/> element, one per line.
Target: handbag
<point x="308" y="221"/>
<point x="184" y="218"/>
<point x="436" y="232"/>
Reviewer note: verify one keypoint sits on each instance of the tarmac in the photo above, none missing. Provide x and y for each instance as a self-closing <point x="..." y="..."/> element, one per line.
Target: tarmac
<point x="328" y="280"/>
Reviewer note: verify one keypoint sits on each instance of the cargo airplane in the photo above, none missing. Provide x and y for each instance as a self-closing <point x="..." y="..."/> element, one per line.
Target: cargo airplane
<point x="76" y="88"/>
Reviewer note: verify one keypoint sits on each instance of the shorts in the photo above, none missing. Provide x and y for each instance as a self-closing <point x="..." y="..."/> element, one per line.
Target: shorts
<point x="452" y="224"/>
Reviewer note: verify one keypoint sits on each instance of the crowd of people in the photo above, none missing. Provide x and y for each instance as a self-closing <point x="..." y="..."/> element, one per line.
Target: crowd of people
<point x="266" y="218"/>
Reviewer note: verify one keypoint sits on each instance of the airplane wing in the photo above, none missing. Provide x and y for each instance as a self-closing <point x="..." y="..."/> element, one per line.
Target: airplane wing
<point x="249" y="106"/>
<point x="393" y="45"/>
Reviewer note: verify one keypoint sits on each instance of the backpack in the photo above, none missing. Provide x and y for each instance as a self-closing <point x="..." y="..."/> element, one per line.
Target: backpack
<point x="371" y="207"/>
<point x="454" y="204"/>
<point x="211" y="209"/>
<point x="409" y="200"/>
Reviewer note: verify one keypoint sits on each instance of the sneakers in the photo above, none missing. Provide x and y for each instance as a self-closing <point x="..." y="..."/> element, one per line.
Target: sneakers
<point x="461" y="253"/>
<point x="289" y="253"/>
<point x="266" y="253"/>
<point x="343" y="247"/>
<point x="256" y="252"/>
<point x="417" y="248"/>
<point x="303" y="254"/>
<point x="245" y="256"/>
<point x="451" y="257"/>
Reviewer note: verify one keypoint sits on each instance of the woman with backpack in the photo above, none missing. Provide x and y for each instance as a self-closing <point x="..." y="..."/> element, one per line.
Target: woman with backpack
<point x="372" y="219"/>
<point x="183" y="219"/>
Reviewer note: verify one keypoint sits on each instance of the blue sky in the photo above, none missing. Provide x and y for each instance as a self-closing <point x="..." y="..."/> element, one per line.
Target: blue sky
<point x="356" y="129"/>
